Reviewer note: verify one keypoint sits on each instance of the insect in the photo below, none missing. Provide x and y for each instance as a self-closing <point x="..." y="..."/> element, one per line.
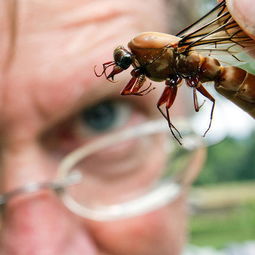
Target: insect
<point x="197" y="55"/>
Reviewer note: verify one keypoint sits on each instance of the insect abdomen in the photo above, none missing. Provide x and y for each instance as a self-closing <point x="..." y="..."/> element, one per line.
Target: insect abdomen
<point x="239" y="86"/>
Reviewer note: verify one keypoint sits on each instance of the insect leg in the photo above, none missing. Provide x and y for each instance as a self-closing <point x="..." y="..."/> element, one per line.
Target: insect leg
<point x="128" y="88"/>
<point x="138" y="85"/>
<point x="134" y="86"/>
<point x="195" y="100"/>
<point x="205" y="93"/>
<point x="163" y="99"/>
<point x="167" y="98"/>
<point x="145" y="91"/>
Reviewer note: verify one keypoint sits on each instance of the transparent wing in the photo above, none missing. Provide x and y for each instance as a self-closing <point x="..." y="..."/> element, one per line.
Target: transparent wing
<point x="217" y="35"/>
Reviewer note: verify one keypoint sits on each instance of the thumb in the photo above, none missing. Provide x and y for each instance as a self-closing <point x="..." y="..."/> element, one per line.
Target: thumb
<point x="243" y="12"/>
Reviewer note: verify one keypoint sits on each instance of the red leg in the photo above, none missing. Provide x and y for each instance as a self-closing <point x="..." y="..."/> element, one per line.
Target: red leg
<point x="134" y="86"/>
<point x="196" y="106"/>
<point x="128" y="88"/>
<point x="206" y="94"/>
<point x="196" y="85"/>
<point x="168" y="96"/>
<point x="145" y="91"/>
<point x="138" y="85"/>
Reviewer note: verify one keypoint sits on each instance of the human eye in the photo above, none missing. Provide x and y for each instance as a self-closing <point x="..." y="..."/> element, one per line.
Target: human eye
<point x="99" y="119"/>
<point x="104" y="116"/>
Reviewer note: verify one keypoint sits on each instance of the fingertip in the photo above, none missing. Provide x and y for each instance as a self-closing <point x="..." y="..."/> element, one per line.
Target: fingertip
<point x="243" y="13"/>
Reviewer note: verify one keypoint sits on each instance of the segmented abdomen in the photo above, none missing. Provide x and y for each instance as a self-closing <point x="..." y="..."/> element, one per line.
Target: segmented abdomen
<point x="238" y="86"/>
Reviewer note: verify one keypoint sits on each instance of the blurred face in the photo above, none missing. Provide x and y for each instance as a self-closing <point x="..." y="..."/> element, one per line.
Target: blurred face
<point x="48" y="95"/>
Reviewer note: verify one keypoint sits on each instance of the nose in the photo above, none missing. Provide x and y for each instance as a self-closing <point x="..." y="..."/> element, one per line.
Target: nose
<point x="37" y="223"/>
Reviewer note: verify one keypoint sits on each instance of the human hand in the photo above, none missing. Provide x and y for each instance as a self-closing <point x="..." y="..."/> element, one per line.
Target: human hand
<point x="243" y="13"/>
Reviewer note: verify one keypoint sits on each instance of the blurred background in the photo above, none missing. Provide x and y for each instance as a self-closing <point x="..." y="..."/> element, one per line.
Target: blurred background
<point x="223" y="200"/>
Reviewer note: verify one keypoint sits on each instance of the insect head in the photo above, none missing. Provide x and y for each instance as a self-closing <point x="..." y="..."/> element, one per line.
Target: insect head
<point x="122" y="61"/>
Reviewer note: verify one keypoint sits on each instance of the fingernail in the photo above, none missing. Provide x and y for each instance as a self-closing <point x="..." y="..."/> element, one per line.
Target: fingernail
<point x="243" y="11"/>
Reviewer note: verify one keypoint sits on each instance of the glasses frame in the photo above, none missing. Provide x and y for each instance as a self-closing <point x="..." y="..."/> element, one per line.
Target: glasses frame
<point x="158" y="197"/>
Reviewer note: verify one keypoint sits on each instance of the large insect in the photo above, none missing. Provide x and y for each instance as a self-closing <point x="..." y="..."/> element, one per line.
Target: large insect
<point x="195" y="55"/>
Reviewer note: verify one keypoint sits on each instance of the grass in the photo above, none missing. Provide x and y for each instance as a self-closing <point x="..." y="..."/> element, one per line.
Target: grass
<point x="219" y="226"/>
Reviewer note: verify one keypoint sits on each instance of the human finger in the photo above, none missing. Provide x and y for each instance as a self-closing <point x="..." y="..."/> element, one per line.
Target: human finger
<point x="243" y="13"/>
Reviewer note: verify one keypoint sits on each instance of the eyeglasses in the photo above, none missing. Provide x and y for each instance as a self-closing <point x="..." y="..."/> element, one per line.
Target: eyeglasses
<point x="124" y="174"/>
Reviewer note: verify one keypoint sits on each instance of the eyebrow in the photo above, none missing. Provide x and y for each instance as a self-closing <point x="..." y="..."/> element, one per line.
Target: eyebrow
<point x="71" y="104"/>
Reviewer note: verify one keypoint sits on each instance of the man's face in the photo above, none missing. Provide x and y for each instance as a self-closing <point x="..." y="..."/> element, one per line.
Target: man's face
<point x="45" y="92"/>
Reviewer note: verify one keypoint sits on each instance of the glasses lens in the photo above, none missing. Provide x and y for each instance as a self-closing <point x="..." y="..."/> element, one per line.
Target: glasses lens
<point x="127" y="172"/>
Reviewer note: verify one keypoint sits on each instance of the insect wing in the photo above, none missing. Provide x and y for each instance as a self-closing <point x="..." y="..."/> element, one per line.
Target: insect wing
<point x="217" y="35"/>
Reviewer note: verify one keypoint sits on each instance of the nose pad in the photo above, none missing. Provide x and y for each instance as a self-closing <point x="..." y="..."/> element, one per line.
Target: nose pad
<point x="38" y="222"/>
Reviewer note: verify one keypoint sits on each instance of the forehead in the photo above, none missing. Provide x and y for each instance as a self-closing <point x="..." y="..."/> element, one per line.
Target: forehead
<point x="61" y="29"/>
<point x="58" y="42"/>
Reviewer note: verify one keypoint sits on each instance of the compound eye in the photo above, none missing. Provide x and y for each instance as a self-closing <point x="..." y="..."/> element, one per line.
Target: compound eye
<point x="122" y="57"/>
<point x="125" y="61"/>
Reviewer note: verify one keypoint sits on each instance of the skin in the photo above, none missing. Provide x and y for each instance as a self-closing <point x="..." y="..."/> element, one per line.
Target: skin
<point x="243" y="13"/>
<point x="48" y="81"/>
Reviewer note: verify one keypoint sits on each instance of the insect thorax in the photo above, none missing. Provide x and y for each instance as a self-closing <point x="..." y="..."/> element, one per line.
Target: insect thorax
<point x="158" y="64"/>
